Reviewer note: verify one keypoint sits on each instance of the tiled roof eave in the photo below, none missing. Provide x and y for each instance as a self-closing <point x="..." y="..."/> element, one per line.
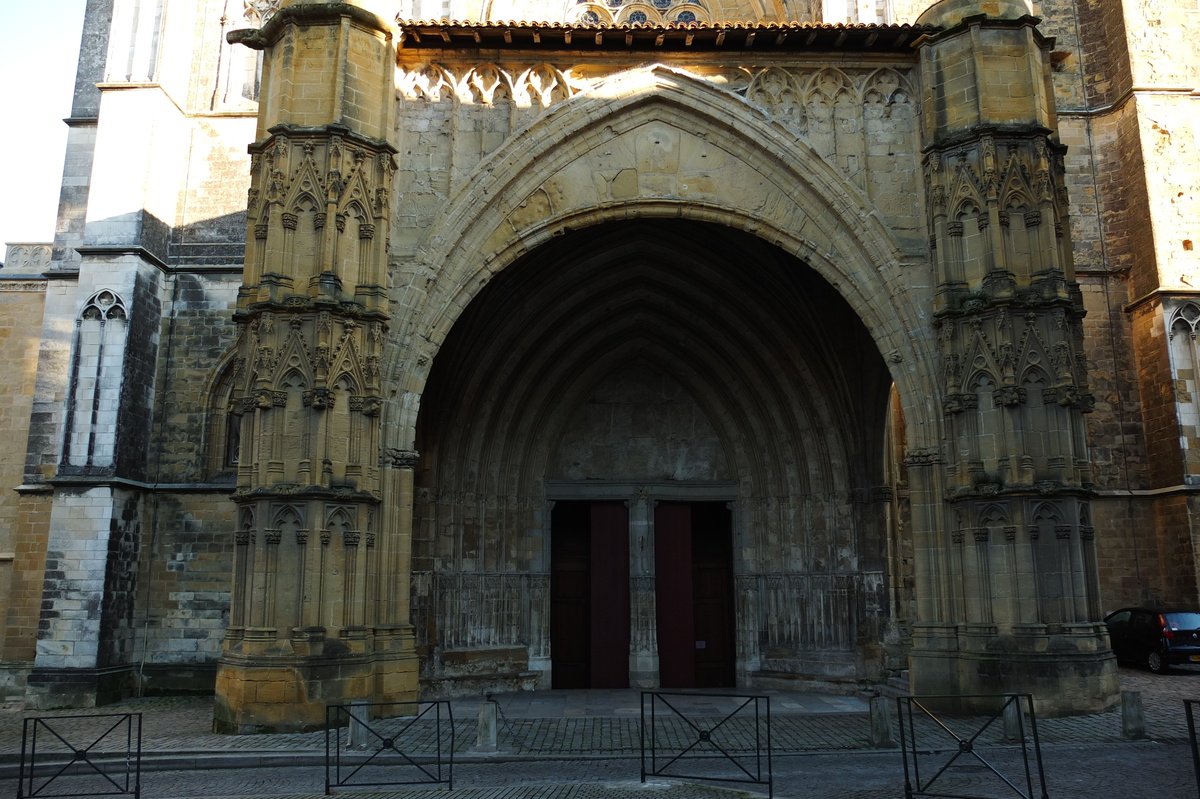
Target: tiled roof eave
<point x="450" y="34"/>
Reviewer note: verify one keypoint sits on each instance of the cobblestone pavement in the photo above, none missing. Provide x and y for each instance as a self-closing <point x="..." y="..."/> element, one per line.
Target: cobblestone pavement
<point x="583" y="744"/>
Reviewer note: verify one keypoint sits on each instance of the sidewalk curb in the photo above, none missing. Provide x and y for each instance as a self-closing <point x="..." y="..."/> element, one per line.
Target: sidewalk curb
<point x="10" y="765"/>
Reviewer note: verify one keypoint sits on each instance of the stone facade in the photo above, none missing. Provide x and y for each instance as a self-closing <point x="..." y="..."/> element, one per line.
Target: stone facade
<point x="707" y="343"/>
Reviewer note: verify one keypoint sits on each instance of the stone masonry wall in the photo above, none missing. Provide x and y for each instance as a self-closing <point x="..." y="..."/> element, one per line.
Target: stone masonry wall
<point x="21" y="546"/>
<point x="185" y="572"/>
<point x="201" y="334"/>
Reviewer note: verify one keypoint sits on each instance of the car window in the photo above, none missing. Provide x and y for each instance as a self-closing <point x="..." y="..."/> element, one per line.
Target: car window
<point x="1121" y="617"/>
<point x="1182" y="621"/>
<point x="1143" y="623"/>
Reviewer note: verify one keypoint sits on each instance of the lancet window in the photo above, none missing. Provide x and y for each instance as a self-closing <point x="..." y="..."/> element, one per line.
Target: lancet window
<point x="94" y="397"/>
<point x="1185" y="369"/>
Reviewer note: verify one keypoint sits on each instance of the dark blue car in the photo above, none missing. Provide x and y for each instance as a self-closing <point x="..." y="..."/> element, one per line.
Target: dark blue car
<point x="1154" y="638"/>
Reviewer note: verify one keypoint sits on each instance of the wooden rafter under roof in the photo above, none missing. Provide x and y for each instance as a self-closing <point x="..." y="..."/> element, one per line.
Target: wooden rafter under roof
<point x="806" y="37"/>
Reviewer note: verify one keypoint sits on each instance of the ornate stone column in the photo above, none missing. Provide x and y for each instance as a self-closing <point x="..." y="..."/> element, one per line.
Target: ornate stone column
<point x="320" y="610"/>
<point x="1009" y="596"/>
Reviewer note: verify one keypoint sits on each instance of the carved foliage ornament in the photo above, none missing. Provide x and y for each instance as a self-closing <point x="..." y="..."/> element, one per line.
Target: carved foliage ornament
<point x="780" y="92"/>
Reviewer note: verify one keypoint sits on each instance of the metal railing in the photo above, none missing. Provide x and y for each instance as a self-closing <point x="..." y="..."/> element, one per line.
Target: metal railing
<point x="739" y="741"/>
<point x="928" y="735"/>
<point x="55" y="764"/>
<point x="1188" y="705"/>
<point x="389" y="743"/>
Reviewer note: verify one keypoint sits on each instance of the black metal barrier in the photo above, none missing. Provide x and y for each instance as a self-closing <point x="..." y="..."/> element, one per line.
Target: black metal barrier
<point x="741" y="739"/>
<point x="54" y="764"/>
<point x="390" y="743"/>
<point x="1188" y="704"/>
<point x="927" y="735"/>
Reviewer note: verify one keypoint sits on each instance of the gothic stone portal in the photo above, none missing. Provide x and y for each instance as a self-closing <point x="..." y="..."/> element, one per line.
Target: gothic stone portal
<point x="648" y="269"/>
<point x="642" y="383"/>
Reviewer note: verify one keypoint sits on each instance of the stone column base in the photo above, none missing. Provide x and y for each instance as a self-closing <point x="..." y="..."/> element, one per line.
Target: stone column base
<point x="1068" y="668"/>
<point x="397" y="667"/>
<point x="271" y="695"/>
<point x="289" y="691"/>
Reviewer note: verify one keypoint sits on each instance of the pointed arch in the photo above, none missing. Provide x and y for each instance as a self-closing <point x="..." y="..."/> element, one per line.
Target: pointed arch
<point x="308" y="184"/>
<point x="222" y="440"/>
<point x="429" y="83"/>
<point x="1184" y="319"/>
<point x="345" y="381"/>
<point x="1047" y="513"/>
<point x="981" y="379"/>
<point x="347" y="363"/>
<point x="340" y="519"/>
<point x="294" y="377"/>
<point x="285" y="516"/>
<point x="1035" y="375"/>
<point x="791" y="188"/>
<point x="543" y="83"/>
<point x="830" y="86"/>
<point x="488" y="84"/>
<point x="356" y="195"/>
<point x="887" y="86"/>
<point x="993" y="515"/>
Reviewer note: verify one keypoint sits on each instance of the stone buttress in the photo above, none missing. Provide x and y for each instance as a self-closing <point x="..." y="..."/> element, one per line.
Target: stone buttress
<point x="1009" y="599"/>
<point x="321" y="562"/>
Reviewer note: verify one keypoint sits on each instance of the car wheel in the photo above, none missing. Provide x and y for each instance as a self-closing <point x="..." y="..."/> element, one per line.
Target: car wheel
<point x="1156" y="663"/>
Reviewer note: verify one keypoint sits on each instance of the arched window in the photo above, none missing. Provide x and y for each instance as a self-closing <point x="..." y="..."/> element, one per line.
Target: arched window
<point x="239" y="70"/>
<point x="1185" y="382"/>
<point x="224" y="423"/>
<point x="94" y="392"/>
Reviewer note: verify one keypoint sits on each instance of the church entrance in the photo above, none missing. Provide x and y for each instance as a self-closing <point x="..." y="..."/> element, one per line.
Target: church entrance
<point x="613" y="417"/>
<point x="590" y="599"/>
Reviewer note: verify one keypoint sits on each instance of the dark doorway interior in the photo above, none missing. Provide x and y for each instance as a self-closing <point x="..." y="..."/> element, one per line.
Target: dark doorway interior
<point x="589" y="589"/>
<point x="694" y="594"/>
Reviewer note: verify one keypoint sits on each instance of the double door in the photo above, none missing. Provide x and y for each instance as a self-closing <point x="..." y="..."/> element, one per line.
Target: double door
<point x="590" y="601"/>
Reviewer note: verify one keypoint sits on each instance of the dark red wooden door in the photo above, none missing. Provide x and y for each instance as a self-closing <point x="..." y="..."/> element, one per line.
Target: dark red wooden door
<point x="589" y="595"/>
<point x="673" y="594"/>
<point x="694" y="594"/>
<point x="712" y="594"/>
<point x="610" y="595"/>
<point x="570" y="595"/>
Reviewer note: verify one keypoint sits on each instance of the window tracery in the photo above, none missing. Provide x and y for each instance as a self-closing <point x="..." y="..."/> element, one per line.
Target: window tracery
<point x="639" y="12"/>
<point x="257" y="12"/>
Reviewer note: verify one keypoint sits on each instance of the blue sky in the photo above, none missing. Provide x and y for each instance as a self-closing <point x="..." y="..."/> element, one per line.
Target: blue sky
<point x="37" y="74"/>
